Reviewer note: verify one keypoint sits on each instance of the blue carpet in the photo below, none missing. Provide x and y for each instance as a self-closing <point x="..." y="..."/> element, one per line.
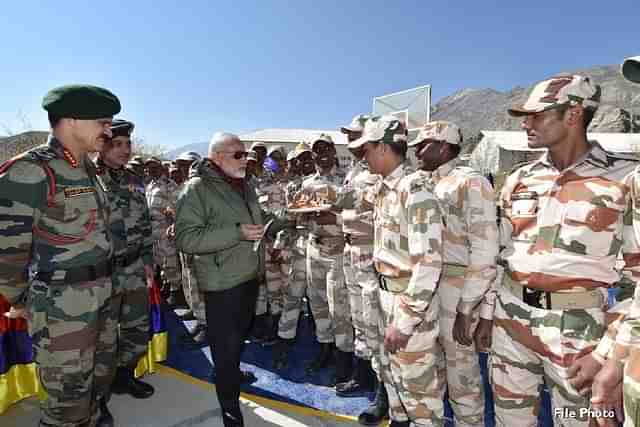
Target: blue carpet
<point x="293" y="385"/>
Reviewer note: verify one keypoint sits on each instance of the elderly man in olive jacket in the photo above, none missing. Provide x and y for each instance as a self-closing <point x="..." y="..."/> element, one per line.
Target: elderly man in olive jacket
<point x="219" y="221"/>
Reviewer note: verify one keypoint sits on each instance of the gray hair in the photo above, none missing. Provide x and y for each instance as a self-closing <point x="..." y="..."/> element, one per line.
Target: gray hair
<point x="220" y="139"/>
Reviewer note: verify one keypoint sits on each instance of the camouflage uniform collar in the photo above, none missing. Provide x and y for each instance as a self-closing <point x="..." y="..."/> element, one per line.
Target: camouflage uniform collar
<point x="445" y="169"/>
<point x="393" y="179"/>
<point x="596" y="155"/>
<point x="63" y="153"/>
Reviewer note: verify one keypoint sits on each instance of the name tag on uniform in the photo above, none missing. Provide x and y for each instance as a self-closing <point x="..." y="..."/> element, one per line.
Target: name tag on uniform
<point x="78" y="191"/>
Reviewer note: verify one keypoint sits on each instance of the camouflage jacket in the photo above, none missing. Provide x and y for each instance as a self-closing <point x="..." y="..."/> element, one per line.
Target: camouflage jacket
<point x="408" y="241"/>
<point x="161" y="198"/>
<point x="468" y="207"/>
<point x="271" y="193"/>
<point x="562" y="231"/>
<point x="292" y="238"/>
<point x="130" y="218"/>
<point x="356" y="200"/>
<point x="308" y="185"/>
<point x="626" y="336"/>
<point x="54" y="217"/>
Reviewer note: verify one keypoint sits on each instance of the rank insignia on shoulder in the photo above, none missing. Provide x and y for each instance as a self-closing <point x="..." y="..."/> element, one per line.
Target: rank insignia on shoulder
<point x="78" y="191"/>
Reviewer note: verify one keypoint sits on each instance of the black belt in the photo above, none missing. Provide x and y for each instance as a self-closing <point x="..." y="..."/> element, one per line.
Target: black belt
<point x="87" y="273"/>
<point x="127" y="259"/>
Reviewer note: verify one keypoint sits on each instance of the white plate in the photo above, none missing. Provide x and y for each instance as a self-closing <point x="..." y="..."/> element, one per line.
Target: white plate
<point x="310" y="209"/>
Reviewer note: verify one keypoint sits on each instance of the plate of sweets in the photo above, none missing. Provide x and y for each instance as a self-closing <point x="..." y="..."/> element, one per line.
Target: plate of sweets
<point x="308" y="204"/>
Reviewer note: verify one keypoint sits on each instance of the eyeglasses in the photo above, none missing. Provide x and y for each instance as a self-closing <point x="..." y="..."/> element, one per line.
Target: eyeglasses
<point x="237" y="154"/>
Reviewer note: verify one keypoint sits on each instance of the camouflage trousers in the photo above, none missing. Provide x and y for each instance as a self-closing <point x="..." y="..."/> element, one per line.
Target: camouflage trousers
<point x="133" y="313"/>
<point x="327" y="293"/>
<point x="362" y="285"/>
<point x="74" y="334"/>
<point x="631" y="388"/>
<point x="165" y="255"/>
<point x="191" y="290"/>
<point x="414" y="377"/>
<point x="532" y="346"/>
<point x="292" y="298"/>
<point x="271" y="293"/>
<point x="464" y="382"/>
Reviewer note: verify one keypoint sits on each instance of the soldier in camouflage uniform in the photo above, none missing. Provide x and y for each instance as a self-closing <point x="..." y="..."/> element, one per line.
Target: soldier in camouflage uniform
<point x="470" y="236"/>
<point x="189" y="281"/>
<point x="621" y="372"/>
<point x="55" y="256"/>
<point x="161" y="197"/>
<point x="408" y="260"/>
<point x="356" y="200"/>
<point x="133" y="257"/>
<point x="271" y="195"/>
<point x="326" y="289"/>
<point x="300" y="166"/>
<point x="564" y="220"/>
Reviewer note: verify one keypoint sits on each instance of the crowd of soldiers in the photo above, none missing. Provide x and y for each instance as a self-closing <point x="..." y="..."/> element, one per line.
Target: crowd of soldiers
<point x="408" y="271"/>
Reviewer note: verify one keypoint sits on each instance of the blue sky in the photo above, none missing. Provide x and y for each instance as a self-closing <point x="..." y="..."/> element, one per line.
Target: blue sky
<point x="186" y="69"/>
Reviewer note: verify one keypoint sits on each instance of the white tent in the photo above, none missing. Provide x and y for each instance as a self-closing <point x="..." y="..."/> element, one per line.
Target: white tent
<point x="499" y="151"/>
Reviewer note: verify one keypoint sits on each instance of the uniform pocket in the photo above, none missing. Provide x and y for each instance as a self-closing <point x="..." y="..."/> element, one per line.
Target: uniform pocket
<point x="589" y="228"/>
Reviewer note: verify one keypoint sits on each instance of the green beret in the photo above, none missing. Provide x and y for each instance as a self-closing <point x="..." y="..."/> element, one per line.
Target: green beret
<point x="122" y="128"/>
<point x="81" y="102"/>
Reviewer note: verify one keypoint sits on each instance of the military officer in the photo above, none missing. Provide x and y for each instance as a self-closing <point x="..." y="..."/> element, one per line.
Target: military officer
<point x="161" y="195"/>
<point x="189" y="281"/>
<point x="133" y="260"/>
<point x="470" y="236"/>
<point x="408" y="259"/>
<point x="55" y="256"/>
<point x="326" y="289"/>
<point x="564" y="219"/>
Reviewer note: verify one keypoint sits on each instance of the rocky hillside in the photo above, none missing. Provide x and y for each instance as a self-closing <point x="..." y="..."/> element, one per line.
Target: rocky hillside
<point x="486" y="109"/>
<point x="16" y="144"/>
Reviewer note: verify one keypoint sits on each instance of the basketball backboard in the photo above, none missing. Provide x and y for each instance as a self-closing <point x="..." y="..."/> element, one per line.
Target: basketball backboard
<point x="413" y="106"/>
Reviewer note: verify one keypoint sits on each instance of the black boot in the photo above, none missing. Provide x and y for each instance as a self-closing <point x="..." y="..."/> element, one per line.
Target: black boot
<point x="281" y="353"/>
<point x="379" y="410"/>
<point x="260" y="328"/>
<point x="126" y="383"/>
<point x="271" y="335"/>
<point x="323" y="359"/>
<point x="105" y="419"/>
<point x="344" y="367"/>
<point x="177" y="300"/>
<point x="400" y="423"/>
<point x="363" y="380"/>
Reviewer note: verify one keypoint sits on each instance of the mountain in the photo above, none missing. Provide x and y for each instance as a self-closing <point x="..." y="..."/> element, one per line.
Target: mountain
<point x="16" y="144"/>
<point x="486" y="109"/>
<point x="199" y="147"/>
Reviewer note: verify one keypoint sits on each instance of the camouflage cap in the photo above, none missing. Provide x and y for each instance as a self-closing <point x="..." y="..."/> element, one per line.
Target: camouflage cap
<point x="631" y="69"/>
<point x="257" y="145"/>
<point x="274" y="148"/>
<point x="439" y="130"/>
<point x="383" y="129"/>
<point x="323" y="137"/>
<point x="189" y="156"/>
<point x="83" y="102"/>
<point x="300" y="148"/>
<point x="559" y="90"/>
<point x="356" y="125"/>
<point x="153" y="159"/>
<point x="136" y="161"/>
<point x="252" y="155"/>
<point x="121" y="127"/>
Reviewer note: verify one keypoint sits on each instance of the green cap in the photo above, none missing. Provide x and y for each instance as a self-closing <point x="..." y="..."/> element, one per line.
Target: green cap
<point x="81" y="102"/>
